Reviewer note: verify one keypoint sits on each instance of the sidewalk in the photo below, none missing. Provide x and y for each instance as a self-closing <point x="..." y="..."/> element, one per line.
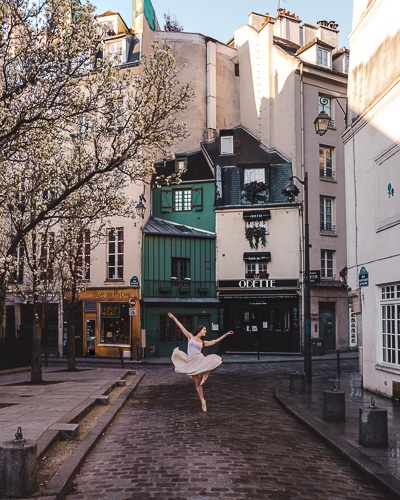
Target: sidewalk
<point x="381" y="465"/>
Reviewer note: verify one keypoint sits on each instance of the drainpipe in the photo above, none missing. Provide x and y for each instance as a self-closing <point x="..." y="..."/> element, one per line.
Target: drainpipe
<point x="211" y="88"/>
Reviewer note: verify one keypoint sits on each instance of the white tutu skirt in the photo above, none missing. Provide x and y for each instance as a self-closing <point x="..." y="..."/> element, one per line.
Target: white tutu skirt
<point x="196" y="364"/>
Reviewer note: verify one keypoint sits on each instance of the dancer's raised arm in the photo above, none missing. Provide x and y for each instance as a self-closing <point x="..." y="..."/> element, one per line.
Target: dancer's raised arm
<point x="208" y="343"/>
<point x="181" y="327"/>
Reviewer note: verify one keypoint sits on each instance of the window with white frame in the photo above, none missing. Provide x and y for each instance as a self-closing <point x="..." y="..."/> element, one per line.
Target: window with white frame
<point x="17" y="274"/>
<point x="115" y="254"/>
<point x="390" y="323"/>
<point x="46" y="261"/>
<point x="326" y="162"/>
<point x="84" y="256"/>
<point x="325" y="104"/>
<point x="326" y="214"/>
<point x="227" y="145"/>
<point x="257" y="270"/>
<point x="115" y="52"/>
<point x="323" y="57"/>
<point x="254" y="174"/>
<point x="182" y="200"/>
<point x="327" y="264"/>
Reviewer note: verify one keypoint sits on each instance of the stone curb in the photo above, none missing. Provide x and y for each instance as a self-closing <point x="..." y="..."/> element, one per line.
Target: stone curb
<point x="370" y="469"/>
<point x="62" y="478"/>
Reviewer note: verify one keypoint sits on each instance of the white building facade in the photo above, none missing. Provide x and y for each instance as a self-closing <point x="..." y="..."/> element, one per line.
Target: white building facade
<point x="372" y="150"/>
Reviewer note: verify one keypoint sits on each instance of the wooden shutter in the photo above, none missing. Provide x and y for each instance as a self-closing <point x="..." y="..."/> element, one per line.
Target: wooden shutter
<point x="197" y="199"/>
<point x="166" y="199"/>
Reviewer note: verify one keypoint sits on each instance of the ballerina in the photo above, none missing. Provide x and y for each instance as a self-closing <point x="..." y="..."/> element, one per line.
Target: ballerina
<point x="194" y="362"/>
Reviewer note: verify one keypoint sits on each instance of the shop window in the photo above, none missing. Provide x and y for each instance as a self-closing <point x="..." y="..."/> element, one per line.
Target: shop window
<point x="169" y="332"/>
<point x="390" y="324"/>
<point x="115" y="327"/>
<point x="116" y="254"/>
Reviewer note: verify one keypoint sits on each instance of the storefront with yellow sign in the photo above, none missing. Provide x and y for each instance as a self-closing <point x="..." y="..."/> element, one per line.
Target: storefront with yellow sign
<point x="111" y="322"/>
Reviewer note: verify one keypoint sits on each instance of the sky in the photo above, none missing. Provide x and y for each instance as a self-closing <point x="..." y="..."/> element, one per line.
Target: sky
<point x="219" y="18"/>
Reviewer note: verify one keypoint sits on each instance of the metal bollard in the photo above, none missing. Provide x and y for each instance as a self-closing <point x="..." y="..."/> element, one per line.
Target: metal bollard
<point x="18" y="467"/>
<point x="297" y="383"/>
<point x="373" y="426"/>
<point x="334" y="409"/>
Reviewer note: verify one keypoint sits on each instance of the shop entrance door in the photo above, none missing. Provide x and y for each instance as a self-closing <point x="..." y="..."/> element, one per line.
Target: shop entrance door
<point x="90" y="335"/>
<point x="327" y="325"/>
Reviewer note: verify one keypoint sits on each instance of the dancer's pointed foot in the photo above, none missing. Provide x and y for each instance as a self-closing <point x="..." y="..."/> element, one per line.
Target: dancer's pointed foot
<point x="204" y="378"/>
<point x="203" y="405"/>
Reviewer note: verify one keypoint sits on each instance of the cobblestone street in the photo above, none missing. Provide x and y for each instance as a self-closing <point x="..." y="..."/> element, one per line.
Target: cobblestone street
<point x="246" y="446"/>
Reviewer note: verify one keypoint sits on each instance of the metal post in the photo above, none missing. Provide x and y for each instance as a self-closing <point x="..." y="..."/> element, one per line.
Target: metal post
<point x="307" y="300"/>
<point x="338" y="363"/>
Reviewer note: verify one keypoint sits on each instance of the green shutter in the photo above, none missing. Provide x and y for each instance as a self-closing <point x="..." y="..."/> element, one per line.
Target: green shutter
<point x="166" y="199"/>
<point x="197" y="199"/>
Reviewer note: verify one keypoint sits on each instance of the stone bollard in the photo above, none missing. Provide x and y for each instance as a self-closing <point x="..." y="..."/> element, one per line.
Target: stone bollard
<point x="297" y="383"/>
<point x="18" y="468"/>
<point x="334" y="406"/>
<point x="373" y="427"/>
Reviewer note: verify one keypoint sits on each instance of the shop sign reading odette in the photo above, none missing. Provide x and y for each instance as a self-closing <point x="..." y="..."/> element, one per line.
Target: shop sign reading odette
<point x="258" y="283"/>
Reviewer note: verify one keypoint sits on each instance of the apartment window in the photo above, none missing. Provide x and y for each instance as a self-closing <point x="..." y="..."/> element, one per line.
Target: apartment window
<point x="17" y="275"/>
<point x="346" y="64"/>
<point x="115" y="52"/>
<point x="257" y="270"/>
<point x="180" y="162"/>
<point x="324" y="57"/>
<point x="227" y="145"/>
<point x="182" y="200"/>
<point x="254" y="174"/>
<point x="169" y="332"/>
<point x="325" y="104"/>
<point x="116" y="254"/>
<point x="327" y="257"/>
<point x="84" y="256"/>
<point x="390" y="323"/>
<point x="46" y="260"/>
<point x="180" y="270"/>
<point x="326" y="165"/>
<point x="326" y="214"/>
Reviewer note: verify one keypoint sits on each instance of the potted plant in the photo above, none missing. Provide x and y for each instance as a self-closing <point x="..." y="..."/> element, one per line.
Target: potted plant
<point x="256" y="235"/>
<point x="251" y="189"/>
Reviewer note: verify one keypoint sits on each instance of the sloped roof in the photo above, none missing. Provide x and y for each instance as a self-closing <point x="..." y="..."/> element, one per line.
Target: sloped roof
<point x="248" y="149"/>
<point x="163" y="227"/>
<point x="198" y="168"/>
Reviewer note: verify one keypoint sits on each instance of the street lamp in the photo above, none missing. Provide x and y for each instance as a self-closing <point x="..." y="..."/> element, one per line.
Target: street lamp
<point x="291" y="191"/>
<point x="140" y="208"/>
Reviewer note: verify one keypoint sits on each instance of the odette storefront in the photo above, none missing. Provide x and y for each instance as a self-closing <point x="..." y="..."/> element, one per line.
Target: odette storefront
<point x="111" y="322"/>
<point x="264" y="313"/>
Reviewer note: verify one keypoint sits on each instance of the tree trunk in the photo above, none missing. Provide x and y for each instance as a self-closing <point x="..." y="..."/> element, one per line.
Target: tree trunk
<point x="36" y="369"/>
<point x="71" y="365"/>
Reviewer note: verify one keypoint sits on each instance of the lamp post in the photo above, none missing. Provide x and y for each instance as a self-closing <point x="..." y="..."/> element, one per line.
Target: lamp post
<point x="291" y="191"/>
<point x="140" y="208"/>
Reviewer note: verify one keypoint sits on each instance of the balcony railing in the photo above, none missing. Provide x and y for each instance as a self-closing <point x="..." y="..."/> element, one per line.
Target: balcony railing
<point x="327" y="173"/>
<point x="179" y="288"/>
<point x="327" y="227"/>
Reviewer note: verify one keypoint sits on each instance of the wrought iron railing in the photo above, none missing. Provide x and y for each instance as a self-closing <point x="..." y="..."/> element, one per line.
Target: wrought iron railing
<point x="179" y="288"/>
<point x="327" y="227"/>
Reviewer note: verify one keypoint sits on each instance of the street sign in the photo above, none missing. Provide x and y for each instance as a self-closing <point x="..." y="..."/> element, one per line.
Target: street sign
<point x="363" y="279"/>
<point x="132" y="302"/>
<point x="132" y="311"/>
<point x="315" y="276"/>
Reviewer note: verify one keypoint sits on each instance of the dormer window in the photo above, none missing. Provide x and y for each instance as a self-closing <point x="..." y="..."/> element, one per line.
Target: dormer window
<point x="227" y="142"/>
<point x="227" y="145"/>
<point x="324" y="57"/>
<point x="180" y="163"/>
